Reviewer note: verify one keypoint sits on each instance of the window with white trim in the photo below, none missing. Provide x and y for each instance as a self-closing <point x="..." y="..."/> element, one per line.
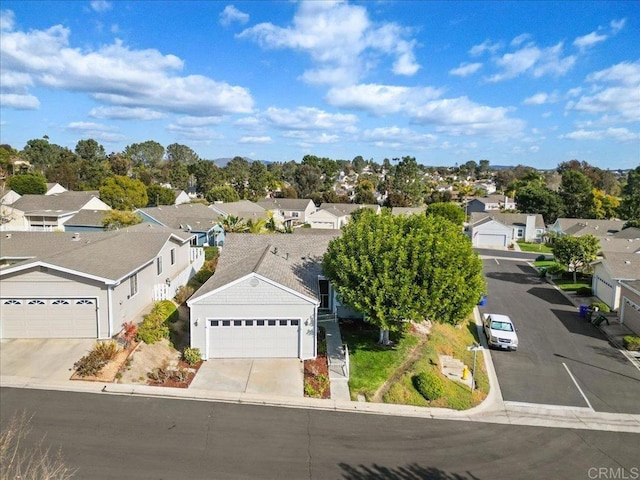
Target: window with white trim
<point x="159" y="265"/>
<point x="60" y="301"/>
<point x="84" y="301"/>
<point x="12" y="302"/>
<point x="173" y="256"/>
<point x="36" y="302"/>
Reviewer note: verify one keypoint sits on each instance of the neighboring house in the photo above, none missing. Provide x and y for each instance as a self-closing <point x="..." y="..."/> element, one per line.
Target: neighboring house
<point x="490" y="203"/>
<point x="53" y="188"/>
<point x="294" y="211"/>
<point x="50" y="212"/>
<point x="334" y="216"/>
<point x="194" y="218"/>
<point x="631" y="232"/>
<point x="181" y="196"/>
<point x="9" y="197"/>
<point x="246" y="210"/>
<point x="264" y="297"/>
<point x="69" y="285"/>
<point x="86" y="221"/>
<point x="586" y="226"/>
<point x="499" y="229"/>
<point x="620" y="262"/>
<point x="629" y="312"/>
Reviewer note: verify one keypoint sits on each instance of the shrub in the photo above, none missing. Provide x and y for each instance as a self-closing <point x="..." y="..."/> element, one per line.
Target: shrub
<point x="556" y="269"/>
<point x="191" y="355"/>
<point x="89" y="365"/>
<point x="429" y="385"/>
<point x="584" y="292"/>
<point x="540" y="258"/>
<point x="603" y="307"/>
<point x="322" y="341"/>
<point x="202" y="276"/>
<point x="155" y="325"/>
<point x="183" y="293"/>
<point x="631" y="342"/>
<point x="129" y="333"/>
<point x="167" y="309"/>
<point x="106" y="350"/>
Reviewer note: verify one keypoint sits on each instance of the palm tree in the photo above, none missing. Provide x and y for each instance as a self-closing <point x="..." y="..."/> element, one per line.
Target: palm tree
<point x="233" y="224"/>
<point x="257" y="226"/>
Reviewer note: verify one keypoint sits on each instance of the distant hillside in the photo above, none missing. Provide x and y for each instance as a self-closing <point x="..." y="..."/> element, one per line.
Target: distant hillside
<point x="222" y="162"/>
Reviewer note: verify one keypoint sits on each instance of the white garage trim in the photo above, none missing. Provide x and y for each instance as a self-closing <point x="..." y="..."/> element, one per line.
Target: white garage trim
<point x="43" y="317"/>
<point x="492" y="240"/>
<point x="605" y="291"/>
<point x="240" y="343"/>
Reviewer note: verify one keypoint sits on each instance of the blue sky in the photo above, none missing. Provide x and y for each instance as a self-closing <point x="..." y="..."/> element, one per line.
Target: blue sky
<point x="531" y="83"/>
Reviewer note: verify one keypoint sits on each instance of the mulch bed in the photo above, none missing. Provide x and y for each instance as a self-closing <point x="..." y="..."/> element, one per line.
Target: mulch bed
<point x="315" y="371"/>
<point x="173" y="382"/>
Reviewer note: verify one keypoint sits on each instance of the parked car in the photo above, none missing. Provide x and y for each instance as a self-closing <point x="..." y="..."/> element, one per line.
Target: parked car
<point x="500" y="331"/>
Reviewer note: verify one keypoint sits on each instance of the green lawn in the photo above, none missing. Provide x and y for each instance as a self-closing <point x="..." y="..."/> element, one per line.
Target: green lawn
<point x="543" y="263"/>
<point x="372" y="365"/>
<point x="534" y="247"/>
<point x="568" y="285"/>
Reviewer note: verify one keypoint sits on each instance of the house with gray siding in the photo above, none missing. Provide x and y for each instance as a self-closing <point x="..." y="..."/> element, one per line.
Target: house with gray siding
<point x="500" y="229"/>
<point x="87" y="284"/>
<point x="263" y="299"/>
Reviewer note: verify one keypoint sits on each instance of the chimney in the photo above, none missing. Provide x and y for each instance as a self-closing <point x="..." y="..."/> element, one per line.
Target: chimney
<point x="530" y="228"/>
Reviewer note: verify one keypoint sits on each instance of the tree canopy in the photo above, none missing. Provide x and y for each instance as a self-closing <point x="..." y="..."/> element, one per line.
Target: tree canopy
<point x="404" y="268"/>
<point x="27" y="183"/>
<point x="123" y="193"/>
<point x="575" y="253"/>
<point x="448" y="210"/>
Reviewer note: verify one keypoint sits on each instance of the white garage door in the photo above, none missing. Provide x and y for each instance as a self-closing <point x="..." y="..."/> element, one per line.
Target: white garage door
<point x="255" y="338"/>
<point x="604" y="291"/>
<point x="631" y="315"/>
<point x="489" y="240"/>
<point x="49" y="318"/>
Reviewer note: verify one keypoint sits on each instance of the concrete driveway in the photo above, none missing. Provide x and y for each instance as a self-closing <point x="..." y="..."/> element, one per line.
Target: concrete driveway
<point x="263" y="376"/>
<point x="48" y="359"/>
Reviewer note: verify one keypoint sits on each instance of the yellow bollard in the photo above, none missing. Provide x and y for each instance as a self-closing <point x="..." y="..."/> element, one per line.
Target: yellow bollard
<point x="465" y="373"/>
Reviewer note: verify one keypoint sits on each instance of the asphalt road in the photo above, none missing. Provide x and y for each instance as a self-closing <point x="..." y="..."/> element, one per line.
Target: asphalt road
<point x="116" y="437"/>
<point x="555" y="344"/>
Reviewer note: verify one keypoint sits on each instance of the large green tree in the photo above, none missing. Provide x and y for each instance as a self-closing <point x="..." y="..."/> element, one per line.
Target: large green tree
<point x="396" y="269"/>
<point x="448" y="210"/>
<point x="159" y="195"/>
<point x="407" y="187"/>
<point x="534" y="197"/>
<point x="117" y="219"/>
<point x="577" y="195"/>
<point x="123" y="193"/>
<point x="28" y="183"/>
<point x="149" y="154"/>
<point x="224" y="193"/>
<point x="575" y="253"/>
<point x="630" y="204"/>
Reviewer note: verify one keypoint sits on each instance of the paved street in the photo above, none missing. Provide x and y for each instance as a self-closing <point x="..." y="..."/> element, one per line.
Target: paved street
<point x="111" y="436"/>
<point x="562" y="359"/>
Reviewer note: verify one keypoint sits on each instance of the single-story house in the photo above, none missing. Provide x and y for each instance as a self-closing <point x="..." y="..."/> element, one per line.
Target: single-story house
<point x="613" y="268"/>
<point x="264" y="297"/>
<point x="629" y="312"/>
<point x="86" y="221"/>
<point x="490" y="203"/>
<point x="334" y="216"/>
<point x="294" y="211"/>
<point x="499" y="229"/>
<point x="67" y="284"/>
<point x="586" y="226"/>
<point x="50" y="212"/>
<point x="194" y="218"/>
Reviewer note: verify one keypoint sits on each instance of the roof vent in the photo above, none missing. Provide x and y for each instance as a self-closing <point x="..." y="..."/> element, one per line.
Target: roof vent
<point x="8" y="235"/>
<point x="627" y="262"/>
<point x="75" y="237"/>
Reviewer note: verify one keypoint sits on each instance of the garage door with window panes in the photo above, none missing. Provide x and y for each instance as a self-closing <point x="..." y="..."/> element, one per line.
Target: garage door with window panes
<point x="254" y="338"/>
<point x="49" y="318"/>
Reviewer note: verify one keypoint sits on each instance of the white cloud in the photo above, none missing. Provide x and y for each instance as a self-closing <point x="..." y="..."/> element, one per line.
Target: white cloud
<point x="100" y="6"/>
<point x="7" y="20"/>
<point x="589" y="40"/>
<point x="340" y="39"/>
<point x="465" y="69"/>
<point x="380" y="99"/>
<point x="198" y="133"/>
<point x="520" y="39"/>
<point x="534" y="60"/>
<point x="125" y="113"/>
<point x="198" y="121"/>
<point x="97" y="131"/>
<point x="259" y="140"/>
<point x="461" y="116"/>
<point x="619" y="134"/>
<point x="19" y="101"/>
<point x="396" y="137"/>
<point x="541" y="98"/>
<point x="116" y="74"/>
<point x="617" y="25"/>
<point x="485" y="46"/>
<point x="306" y="118"/>
<point x="231" y="14"/>
<point x="615" y="94"/>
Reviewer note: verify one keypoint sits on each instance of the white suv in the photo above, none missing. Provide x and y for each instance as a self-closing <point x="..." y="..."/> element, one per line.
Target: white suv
<point x="500" y="331"/>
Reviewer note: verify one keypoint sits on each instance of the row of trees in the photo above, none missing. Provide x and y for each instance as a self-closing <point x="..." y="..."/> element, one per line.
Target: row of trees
<point x="574" y="189"/>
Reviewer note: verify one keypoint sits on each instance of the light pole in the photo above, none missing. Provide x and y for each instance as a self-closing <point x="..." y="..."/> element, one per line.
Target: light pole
<point x="474" y="348"/>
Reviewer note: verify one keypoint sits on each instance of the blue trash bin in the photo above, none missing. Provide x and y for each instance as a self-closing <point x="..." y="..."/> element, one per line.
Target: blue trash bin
<point x="483" y="301"/>
<point x="583" y="310"/>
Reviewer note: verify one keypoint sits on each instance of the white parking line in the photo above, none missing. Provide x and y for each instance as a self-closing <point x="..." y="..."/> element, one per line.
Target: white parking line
<point x="578" y="386"/>
<point x="497" y="262"/>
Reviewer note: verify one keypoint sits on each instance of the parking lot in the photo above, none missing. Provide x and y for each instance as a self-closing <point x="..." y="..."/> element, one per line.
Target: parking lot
<point x="562" y="359"/>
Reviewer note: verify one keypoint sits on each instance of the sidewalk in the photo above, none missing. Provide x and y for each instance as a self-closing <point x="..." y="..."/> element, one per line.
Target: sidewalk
<point x="338" y="368"/>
